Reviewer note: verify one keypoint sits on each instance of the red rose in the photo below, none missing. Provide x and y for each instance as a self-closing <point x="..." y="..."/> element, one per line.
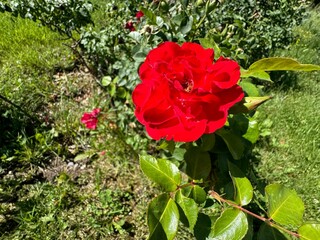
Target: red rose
<point x="90" y="119"/>
<point x="129" y="25"/>
<point x="184" y="93"/>
<point x="139" y="15"/>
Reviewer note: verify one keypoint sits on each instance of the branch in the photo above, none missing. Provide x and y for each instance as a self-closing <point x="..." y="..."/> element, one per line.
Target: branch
<point x="216" y="196"/>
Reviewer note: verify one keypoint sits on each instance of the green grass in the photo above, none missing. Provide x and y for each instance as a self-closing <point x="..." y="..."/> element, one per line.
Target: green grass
<point x="292" y="155"/>
<point x="54" y="183"/>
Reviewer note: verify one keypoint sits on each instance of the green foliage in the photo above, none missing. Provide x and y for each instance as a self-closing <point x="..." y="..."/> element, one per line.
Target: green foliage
<point x="243" y="187"/>
<point x="309" y="231"/>
<point x="61" y="16"/>
<point x="229" y="153"/>
<point x="162" y="172"/>
<point x="281" y="201"/>
<point x="163" y="218"/>
<point x="232" y="224"/>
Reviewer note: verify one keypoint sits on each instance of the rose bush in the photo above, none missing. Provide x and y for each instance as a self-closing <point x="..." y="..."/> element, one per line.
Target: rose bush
<point x="185" y="93"/>
<point x="90" y="119"/>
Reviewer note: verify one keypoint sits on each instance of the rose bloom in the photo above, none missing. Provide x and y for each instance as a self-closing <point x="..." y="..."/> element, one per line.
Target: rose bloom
<point x="184" y="93"/>
<point x="90" y="119"/>
<point x="129" y="25"/>
<point x="139" y="15"/>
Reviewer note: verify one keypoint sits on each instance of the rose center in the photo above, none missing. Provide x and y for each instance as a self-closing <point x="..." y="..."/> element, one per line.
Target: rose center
<point x="187" y="84"/>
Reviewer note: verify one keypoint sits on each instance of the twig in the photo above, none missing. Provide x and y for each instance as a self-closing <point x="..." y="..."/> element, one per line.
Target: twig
<point x="216" y="196"/>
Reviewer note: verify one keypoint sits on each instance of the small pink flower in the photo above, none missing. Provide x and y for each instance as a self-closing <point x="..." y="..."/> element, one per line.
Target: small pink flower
<point x="90" y="119"/>
<point x="139" y="15"/>
<point x="129" y="25"/>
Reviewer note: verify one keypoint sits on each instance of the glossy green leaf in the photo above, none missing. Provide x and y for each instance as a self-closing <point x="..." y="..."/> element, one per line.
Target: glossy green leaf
<point x="203" y="227"/>
<point x="210" y="43"/>
<point x="249" y="88"/>
<point x="231" y="225"/>
<point x="198" y="194"/>
<point x="198" y="163"/>
<point x="248" y="104"/>
<point x="253" y="132"/>
<point x="242" y="185"/>
<point x="106" y="80"/>
<point x="269" y="233"/>
<point x="163" y="218"/>
<point x="233" y="142"/>
<point x="256" y="74"/>
<point x="258" y="69"/>
<point x="281" y="64"/>
<point x="161" y="171"/>
<point x="310" y="231"/>
<point x="207" y="142"/>
<point x="189" y="209"/>
<point x="284" y="205"/>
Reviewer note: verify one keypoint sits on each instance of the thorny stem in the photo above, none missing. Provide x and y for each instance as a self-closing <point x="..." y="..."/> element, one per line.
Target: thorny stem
<point x="216" y="196"/>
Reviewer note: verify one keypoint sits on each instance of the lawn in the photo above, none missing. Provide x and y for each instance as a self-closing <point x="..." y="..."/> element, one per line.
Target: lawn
<point x="58" y="180"/>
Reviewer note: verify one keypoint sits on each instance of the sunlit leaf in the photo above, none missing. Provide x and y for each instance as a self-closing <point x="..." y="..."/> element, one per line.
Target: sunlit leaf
<point x="198" y="194"/>
<point x="243" y="187"/>
<point x="258" y="69"/>
<point x="210" y="43"/>
<point x="248" y="104"/>
<point x="189" y="209"/>
<point x="281" y="63"/>
<point x="253" y="131"/>
<point x="161" y="171"/>
<point x="231" y="225"/>
<point x="284" y="205"/>
<point x="256" y="74"/>
<point x="198" y="163"/>
<point x="163" y="218"/>
<point x="249" y="88"/>
<point x="310" y="231"/>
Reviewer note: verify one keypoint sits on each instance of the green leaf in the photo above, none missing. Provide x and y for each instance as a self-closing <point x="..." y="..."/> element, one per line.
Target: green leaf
<point x="243" y="187"/>
<point x="231" y="225"/>
<point x="249" y="88"/>
<point x="198" y="163"/>
<point x="269" y="233"/>
<point x="162" y="218"/>
<point x="258" y="74"/>
<point x="233" y="142"/>
<point x="281" y="64"/>
<point x="258" y="69"/>
<point x="310" y="231"/>
<point x="161" y="171"/>
<point x="284" y="205"/>
<point x="189" y="209"/>
<point x="248" y="104"/>
<point x="203" y="227"/>
<point x="186" y="25"/>
<point x="198" y="194"/>
<point x="210" y="43"/>
<point x="106" y="80"/>
<point x="207" y="142"/>
<point x="253" y="132"/>
<point x="150" y="15"/>
<point x="135" y="36"/>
